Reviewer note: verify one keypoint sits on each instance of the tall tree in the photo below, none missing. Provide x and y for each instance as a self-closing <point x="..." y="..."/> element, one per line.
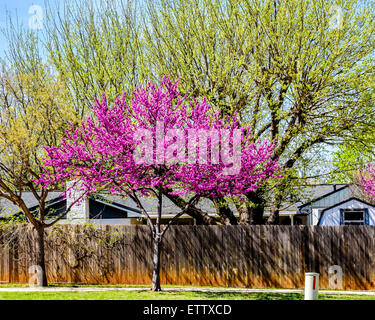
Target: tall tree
<point x="301" y="73"/>
<point x="32" y="114"/>
<point x="161" y="143"/>
<point x="95" y="46"/>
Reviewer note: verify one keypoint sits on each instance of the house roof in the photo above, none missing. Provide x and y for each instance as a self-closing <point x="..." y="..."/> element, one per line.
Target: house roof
<point x="168" y="207"/>
<point x="309" y="193"/>
<point x="320" y="192"/>
<point x="347" y="200"/>
<point x="8" y="208"/>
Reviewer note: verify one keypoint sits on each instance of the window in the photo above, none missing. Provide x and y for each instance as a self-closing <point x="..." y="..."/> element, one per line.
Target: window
<point x="99" y="210"/>
<point x="354" y="217"/>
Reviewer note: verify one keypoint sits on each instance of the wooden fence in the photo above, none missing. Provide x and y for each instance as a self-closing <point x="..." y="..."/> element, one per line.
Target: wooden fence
<point x="254" y="256"/>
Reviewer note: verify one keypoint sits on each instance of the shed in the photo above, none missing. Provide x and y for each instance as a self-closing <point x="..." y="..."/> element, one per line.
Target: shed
<point x="352" y="211"/>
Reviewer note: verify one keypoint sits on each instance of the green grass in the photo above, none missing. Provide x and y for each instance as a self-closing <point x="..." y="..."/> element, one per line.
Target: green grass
<point x="73" y="285"/>
<point x="142" y="295"/>
<point x="167" y="295"/>
<point x="164" y="295"/>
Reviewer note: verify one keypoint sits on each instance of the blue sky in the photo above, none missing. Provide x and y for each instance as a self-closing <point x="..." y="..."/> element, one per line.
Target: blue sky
<point x="22" y="13"/>
<point x="17" y="9"/>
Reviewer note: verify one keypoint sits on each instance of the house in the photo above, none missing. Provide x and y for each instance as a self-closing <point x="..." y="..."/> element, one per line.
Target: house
<point x="344" y="205"/>
<point x="108" y="209"/>
<point x="291" y="213"/>
<point x="100" y="209"/>
<point x="320" y="204"/>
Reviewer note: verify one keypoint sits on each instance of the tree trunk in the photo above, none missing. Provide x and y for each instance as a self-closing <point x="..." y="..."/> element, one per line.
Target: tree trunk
<point x="275" y="207"/>
<point x="156" y="266"/>
<point x="252" y="211"/>
<point x="194" y="212"/>
<point x="274" y="216"/>
<point x="224" y="211"/>
<point x="157" y="244"/>
<point x="40" y="261"/>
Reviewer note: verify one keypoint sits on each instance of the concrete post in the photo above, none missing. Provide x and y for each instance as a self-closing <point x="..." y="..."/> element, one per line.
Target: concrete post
<point x="311" y="285"/>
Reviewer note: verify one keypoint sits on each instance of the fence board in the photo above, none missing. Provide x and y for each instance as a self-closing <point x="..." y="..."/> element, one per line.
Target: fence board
<point x="248" y="256"/>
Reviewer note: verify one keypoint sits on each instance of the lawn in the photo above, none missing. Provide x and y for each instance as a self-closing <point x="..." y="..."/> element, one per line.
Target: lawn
<point x="168" y="295"/>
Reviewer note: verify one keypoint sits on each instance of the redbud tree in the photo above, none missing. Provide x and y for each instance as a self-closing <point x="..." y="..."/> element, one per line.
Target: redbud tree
<point x="366" y="179"/>
<point x="158" y="140"/>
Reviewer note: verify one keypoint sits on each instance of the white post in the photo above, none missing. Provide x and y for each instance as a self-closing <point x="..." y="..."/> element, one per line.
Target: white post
<point x="311" y="285"/>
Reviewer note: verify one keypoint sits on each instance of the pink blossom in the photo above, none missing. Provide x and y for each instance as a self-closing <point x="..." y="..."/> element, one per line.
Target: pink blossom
<point x="367" y="180"/>
<point x="100" y="152"/>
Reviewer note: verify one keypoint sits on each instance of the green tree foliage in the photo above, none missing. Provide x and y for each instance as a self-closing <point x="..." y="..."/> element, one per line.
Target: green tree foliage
<point x="33" y="113"/>
<point x="95" y="47"/>
<point x="292" y="71"/>
<point x="352" y="156"/>
<point x="300" y="73"/>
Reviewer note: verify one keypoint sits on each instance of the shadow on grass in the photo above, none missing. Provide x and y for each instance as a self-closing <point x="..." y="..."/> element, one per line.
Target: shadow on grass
<point x="249" y="296"/>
